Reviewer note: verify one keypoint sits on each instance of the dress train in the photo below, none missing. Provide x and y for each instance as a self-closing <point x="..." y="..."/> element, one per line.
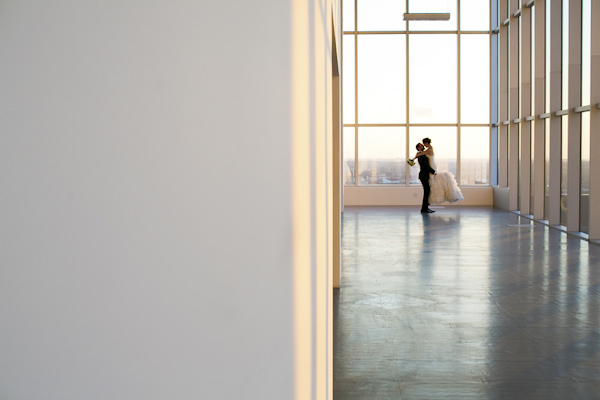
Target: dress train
<point x="443" y="186"/>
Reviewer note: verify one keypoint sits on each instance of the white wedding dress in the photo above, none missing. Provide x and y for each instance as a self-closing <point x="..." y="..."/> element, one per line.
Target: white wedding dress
<point x="443" y="186"/>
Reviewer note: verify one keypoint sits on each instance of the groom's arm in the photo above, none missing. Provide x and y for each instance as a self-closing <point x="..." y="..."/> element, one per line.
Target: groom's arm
<point x="431" y="170"/>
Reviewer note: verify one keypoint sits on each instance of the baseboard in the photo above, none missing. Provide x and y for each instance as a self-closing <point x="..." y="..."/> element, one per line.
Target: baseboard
<point x="410" y="196"/>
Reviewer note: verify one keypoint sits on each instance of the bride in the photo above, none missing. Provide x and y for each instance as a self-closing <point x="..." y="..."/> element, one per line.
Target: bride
<point x="443" y="185"/>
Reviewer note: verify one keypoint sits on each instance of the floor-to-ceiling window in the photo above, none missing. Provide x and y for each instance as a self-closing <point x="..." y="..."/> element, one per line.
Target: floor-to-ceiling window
<point x="564" y="31"/>
<point x="406" y="80"/>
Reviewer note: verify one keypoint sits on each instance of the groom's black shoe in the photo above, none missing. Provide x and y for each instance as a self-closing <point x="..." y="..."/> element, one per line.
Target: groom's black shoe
<point x="428" y="211"/>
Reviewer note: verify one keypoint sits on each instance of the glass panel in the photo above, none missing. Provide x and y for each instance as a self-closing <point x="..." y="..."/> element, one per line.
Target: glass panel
<point x="547" y="168"/>
<point x="564" y="169"/>
<point x="547" y="57"/>
<point x="474" y="159"/>
<point x="381" y="79"/>
<point x="348" y="156"/>
<point x="348" y="79"/>
<point x="564" y="119"/>
<point x="433" y="6"/>
<point x="433" y="78"/>
<point x="547" y="120"/>
<point x="586" y="60"/>
<point x="381" y="156"/>
<point x="474" y="15"/>
<point x="565" y="55"/>
<point x="381" y="15"/>
<point x="532" y="169"/>
<point x="519" y="168"/>
<point x="443" y="140"/>
<point x="348" y="15"/>
<point x="474" y="79"/>
<point x="584" y="201"/>
<point x="532" y="125"/>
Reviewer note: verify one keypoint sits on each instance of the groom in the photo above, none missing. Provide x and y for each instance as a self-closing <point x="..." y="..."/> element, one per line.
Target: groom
<point x="424" y="178"/>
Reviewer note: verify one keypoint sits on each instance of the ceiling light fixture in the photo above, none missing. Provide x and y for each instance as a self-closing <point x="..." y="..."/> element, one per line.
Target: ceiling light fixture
<point x="426" y="16"/>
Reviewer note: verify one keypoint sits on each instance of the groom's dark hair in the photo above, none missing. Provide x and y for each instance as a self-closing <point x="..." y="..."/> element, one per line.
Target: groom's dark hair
<point x="417" y="146"/>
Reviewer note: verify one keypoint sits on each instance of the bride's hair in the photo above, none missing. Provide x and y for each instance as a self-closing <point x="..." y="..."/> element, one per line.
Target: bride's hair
<point x="427" y="140"/>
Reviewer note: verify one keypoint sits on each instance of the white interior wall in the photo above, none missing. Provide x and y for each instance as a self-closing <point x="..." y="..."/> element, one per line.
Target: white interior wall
<point x="148" y="215"/>
<point x="312" y="121"/>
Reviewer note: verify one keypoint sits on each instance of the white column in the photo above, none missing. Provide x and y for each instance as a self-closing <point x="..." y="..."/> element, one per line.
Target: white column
<point x="336" y="149"/>
<point x="337" y="181"/>
<point x="595" y="126"/>
<point x="540" y="108"/>
<point x="555" y="105"/>
<point x="311" y="78"/>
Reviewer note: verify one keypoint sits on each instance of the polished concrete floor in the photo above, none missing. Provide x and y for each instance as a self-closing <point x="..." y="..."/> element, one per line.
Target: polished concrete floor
<point x="465" y="303"/>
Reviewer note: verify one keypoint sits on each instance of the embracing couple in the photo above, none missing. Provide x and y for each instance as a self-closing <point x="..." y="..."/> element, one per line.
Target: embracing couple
<point x="438" y="187"/>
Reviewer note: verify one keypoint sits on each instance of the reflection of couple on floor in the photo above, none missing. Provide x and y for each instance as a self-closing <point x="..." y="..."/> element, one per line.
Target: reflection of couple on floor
<point x="438" y="187"/>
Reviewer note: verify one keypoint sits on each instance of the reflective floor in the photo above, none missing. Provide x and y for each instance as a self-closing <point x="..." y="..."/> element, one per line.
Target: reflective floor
<point x="465" y="303"/>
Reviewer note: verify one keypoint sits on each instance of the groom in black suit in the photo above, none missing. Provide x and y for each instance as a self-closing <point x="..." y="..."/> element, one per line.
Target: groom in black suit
<point x="424" y="178"/>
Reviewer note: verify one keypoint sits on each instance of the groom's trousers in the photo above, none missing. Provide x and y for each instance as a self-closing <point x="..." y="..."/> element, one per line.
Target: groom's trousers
<point x="424" y="178"/>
